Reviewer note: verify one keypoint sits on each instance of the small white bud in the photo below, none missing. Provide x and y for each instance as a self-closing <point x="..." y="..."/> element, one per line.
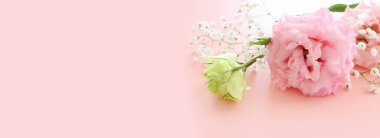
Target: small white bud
<point x="348" y="86"/>
<point x="240" y="11"/>
<point x="360" y="23"/>
<point x="242" y="4"/>
<point x="362" y="46"/>
<point x="200" y="24"/>
<point x="260" y="47"/>
<point x="356" y="74"/>
<point x="369" y="30"/>
<point x="371" y="87"/>
<point x="222" y="18"/>
<point x="197" y="37"/>
<point x="374" y="72"/>
<point x="377" y="91"/>
<point x="374" y="52"/>
<point x="371" y="33"/>
<point x="362" y="32"/>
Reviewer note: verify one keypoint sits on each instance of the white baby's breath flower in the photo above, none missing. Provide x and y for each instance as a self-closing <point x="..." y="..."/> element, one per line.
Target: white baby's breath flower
<point x="222" y="18"/>
<point x="371" y="87"/>
<point x="360" y="23"/>
<point x="356" y="74"/>
<point x="377" y="91"/>
<point x="230" y="36"/>
<point x="371" y="33"/>
<point x="362" y="46"/>
<point x="374" y="72"/>
<point x="374" y="52"/>
<point x="260" y="61"/>
<point x="362" y="32"/>
<point x="349" y="86"/>
<point x="216" y="35"/>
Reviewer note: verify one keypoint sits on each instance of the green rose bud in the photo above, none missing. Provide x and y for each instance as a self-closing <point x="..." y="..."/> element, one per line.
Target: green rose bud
<point x="225" y="77"/>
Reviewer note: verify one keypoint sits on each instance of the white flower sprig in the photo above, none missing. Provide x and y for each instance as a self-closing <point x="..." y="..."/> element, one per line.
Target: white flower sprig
<point x="242" y="35"/>
<point x="366" y="34"/>
<point x="373" y="79"/>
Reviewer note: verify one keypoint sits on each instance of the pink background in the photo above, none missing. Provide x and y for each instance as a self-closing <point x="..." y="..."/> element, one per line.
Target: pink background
<point x="123" y="69"/>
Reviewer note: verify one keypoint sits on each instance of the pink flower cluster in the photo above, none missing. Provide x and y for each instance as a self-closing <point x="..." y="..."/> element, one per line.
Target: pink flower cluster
<point x="313" y="53"/>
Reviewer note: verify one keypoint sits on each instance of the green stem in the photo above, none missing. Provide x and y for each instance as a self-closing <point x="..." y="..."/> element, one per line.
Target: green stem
<point x="248" y="63"/>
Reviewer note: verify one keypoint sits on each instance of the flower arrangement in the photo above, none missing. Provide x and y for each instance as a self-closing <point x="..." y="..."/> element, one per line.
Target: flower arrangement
<point x="316" y="53"/>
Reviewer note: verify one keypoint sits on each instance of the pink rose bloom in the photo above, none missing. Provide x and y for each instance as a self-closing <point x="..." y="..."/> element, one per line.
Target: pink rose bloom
<point x="312" y="53"/>
<point x="362" y="17"/>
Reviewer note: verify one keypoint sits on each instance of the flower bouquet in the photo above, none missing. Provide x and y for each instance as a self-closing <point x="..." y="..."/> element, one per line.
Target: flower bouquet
<point x="316" y="53"/>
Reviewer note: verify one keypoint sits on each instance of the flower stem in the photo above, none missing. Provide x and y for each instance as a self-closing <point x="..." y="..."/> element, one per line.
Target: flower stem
<point x="248" y="63"/>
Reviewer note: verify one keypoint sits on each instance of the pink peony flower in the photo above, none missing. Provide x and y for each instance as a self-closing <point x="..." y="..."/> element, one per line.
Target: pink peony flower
<point x="363" y="17"/>
<point x="312" y="53"/>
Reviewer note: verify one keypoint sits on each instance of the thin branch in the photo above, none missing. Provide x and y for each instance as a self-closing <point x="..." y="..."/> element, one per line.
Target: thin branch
<point x="267" y="9"/>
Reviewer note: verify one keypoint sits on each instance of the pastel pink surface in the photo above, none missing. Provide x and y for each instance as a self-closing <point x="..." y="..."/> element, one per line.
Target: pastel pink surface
<point x="122" y="69"/>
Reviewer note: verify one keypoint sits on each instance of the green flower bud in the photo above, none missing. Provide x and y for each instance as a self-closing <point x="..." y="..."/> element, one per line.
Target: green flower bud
<point x="260" y="41"/>
<point x="225" y="77"/>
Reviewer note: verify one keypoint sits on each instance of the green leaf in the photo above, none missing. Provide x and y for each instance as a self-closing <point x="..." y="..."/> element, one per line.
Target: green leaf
<point x="342" y="7"/>
<point x="353" y="5"/>
<point x="338" y="8"/>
